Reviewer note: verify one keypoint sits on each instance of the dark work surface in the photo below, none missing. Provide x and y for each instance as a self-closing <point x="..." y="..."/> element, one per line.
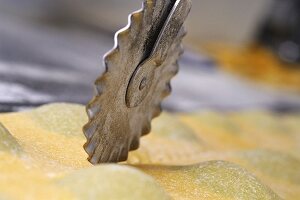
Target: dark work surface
<point x="41" y="64"/>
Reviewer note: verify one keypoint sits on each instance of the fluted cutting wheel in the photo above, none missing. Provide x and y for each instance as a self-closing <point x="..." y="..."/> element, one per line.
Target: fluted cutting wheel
<point x="136" y="80"/>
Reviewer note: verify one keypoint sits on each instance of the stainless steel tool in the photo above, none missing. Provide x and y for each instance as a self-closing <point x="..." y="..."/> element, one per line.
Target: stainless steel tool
<point x="137" y="78"/>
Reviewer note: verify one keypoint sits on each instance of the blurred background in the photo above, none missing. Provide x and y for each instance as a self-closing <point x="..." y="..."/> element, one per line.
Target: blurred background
<point x="240" y="54"/>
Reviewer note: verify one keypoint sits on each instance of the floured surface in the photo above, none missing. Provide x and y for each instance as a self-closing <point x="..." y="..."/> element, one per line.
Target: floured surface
<point x="42" y="157"/>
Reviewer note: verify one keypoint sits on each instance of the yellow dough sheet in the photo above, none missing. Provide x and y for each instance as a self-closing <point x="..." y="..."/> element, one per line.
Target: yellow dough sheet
<point x="207" y="155"/>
